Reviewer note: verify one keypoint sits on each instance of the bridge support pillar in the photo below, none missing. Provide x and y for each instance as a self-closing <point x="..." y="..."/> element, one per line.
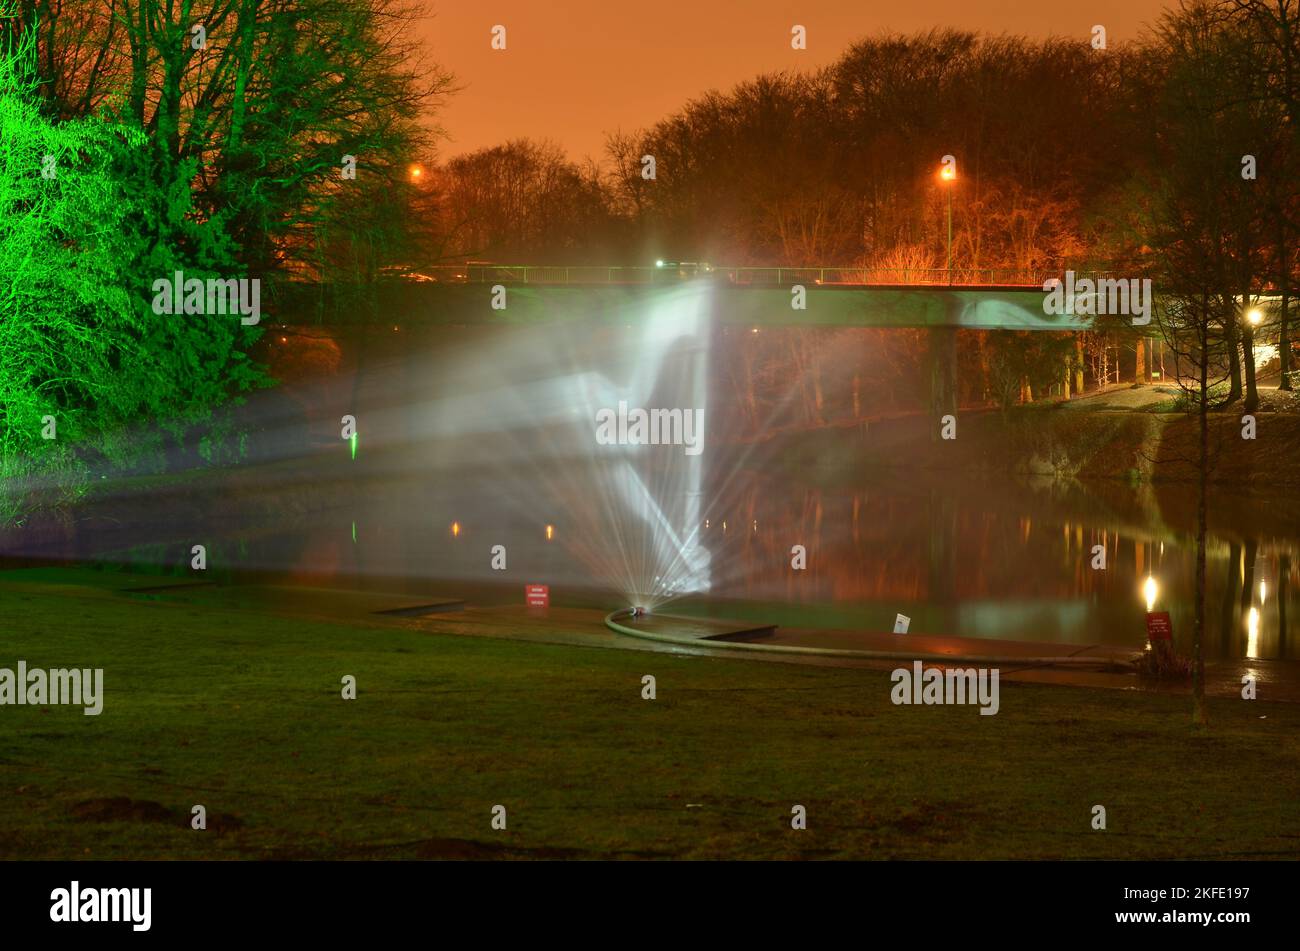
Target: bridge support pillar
<point x="943" y="372"/>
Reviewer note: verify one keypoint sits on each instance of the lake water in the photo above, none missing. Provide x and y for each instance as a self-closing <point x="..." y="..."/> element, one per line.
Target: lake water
<point x="469" y="441"/>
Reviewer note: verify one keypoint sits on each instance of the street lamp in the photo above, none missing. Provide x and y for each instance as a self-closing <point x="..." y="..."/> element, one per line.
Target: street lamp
<point x="948" y="175"/>
<point x="1255" y="316"/>
<point x="1150" y="591"/>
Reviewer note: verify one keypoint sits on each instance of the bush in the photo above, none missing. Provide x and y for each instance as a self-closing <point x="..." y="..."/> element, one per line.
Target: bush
<point x="1188" y="401"/>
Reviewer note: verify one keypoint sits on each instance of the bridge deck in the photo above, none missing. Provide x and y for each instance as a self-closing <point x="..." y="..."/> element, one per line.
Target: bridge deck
<point x="672" y="273"/>
<point x="1008" y="307"/>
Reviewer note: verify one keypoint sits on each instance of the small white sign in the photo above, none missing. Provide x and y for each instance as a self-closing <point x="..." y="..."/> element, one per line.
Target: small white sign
<point x="900" y="623"/>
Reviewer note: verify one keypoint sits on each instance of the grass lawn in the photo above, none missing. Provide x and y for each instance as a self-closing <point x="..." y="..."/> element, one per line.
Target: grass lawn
<point x="242" y="713"/>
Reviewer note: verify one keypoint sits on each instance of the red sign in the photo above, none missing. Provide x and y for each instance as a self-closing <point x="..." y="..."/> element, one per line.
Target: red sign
<point x="1159" y="627"/>
<point x="537" y="595"/>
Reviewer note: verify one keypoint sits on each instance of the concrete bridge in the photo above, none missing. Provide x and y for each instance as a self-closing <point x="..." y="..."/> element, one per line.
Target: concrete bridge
<point x="941" y="302"/>
<point x="979" y="299"/>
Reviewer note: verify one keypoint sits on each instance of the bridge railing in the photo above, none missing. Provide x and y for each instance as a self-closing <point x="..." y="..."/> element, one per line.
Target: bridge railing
<point x="550" y="274"/>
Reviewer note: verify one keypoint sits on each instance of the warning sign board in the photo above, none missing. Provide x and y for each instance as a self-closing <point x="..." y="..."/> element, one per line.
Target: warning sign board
<point x="1159" y="627"/>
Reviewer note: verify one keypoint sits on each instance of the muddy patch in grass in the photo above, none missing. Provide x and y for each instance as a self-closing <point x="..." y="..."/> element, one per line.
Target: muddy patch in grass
<point x="123" y="809"/>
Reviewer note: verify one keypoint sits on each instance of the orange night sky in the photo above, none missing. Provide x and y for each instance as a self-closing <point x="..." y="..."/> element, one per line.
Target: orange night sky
<point x="574" y="69"/>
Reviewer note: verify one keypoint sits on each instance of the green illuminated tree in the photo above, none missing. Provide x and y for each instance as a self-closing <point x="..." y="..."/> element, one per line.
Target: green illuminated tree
<point x="82" y="239"/>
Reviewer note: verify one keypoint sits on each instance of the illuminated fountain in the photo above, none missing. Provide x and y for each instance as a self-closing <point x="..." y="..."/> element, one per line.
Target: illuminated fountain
<point x="595" y="425"/>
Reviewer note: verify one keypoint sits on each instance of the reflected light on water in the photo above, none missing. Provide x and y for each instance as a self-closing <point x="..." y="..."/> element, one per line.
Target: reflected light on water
<point x="1252" y="633"/>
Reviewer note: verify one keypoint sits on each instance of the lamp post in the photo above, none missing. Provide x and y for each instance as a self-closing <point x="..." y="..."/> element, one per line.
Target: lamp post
<point x="948" y="174"/>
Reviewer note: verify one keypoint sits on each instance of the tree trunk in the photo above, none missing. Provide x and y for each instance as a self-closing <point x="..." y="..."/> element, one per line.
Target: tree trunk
<point x="173" y="43"/>
<point x="138" y="38"/>
<point x="243" y="69"/>
<point x="1233" y="339"/>
<point x="1248" y="355"/>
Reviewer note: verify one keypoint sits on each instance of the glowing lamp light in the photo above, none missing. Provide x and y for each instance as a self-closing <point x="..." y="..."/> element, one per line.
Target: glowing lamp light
<point x="1263" y="592"/>
<point x="1150" y="590"/>
<point x="659" y="264"/>
<point x="550" y="532"/>
<point x="948" y="173"/>
<point x="1252" y="633"/>
<point x="416" y="172"/>
<point x="455" y="529"/>
<point x="1255" y="316"/>
<point x="353" y="444"/>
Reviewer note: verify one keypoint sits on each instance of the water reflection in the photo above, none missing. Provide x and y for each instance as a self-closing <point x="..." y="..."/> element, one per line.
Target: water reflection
<point x="989" y="560"/>
<point x="442" y="481"/>
<point x="997" y="561"/>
